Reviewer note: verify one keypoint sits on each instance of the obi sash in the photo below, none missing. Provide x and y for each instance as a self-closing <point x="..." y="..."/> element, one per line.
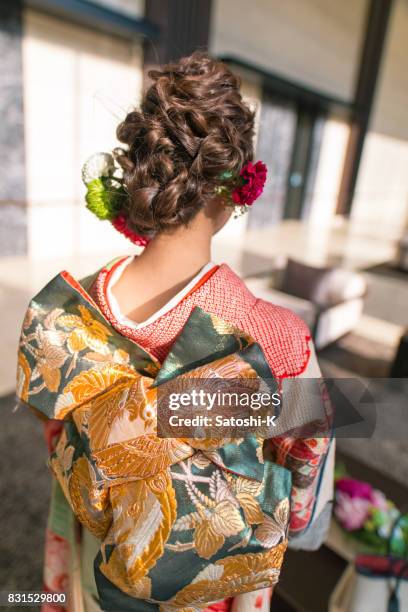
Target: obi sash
<point x="181" y="522"/>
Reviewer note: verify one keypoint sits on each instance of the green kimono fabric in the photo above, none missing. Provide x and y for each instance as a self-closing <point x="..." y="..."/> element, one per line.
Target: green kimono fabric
<point x="181" y="522"/>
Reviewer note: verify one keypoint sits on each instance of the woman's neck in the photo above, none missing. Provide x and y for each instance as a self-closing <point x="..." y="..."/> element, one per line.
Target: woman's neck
<point x="165" y="266"/>
<point x="178" y="255"/>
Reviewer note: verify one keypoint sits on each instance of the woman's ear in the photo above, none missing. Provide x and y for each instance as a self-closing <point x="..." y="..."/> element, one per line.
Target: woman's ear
<point x="219" y="212"/>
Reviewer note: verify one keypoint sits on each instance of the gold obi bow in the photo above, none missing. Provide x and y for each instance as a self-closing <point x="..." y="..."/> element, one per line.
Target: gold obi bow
<point x="181" y="522"/>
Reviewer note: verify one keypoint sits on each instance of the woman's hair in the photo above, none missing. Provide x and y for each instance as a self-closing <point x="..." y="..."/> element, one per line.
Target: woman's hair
<point x="192" y="127"/>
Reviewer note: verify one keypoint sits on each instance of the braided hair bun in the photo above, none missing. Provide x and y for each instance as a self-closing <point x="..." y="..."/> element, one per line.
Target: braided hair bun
<point x="192" y="127"/>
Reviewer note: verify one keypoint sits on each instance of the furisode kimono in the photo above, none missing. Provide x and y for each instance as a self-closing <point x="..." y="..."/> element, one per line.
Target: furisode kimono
<point x="142" y="523"/>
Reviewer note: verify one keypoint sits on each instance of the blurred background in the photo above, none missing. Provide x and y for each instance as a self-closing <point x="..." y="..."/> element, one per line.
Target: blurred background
<point x="329" y="238"/>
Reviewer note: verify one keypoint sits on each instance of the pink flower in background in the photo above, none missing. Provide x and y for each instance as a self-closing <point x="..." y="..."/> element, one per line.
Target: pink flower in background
<point x="368" y="515"/>
<point x="354" y="488"/>
<point x="379" y="501"/>
<point x="355" y="502"/>
<point x="351" y="512"/>
<point x="254" y="176"/>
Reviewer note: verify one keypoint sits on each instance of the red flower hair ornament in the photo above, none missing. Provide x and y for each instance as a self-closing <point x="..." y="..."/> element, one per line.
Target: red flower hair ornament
<point x="106" y="195"/>
<point x="253" y="177"/>
<point x="243" y="189"/>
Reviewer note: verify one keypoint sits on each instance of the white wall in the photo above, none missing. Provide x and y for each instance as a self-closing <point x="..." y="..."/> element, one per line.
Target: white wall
<point x="78" y="84"/>
<point x="315" y="42"/>
<point x="391" y="102"/>
<point x="381" y="198"/>
<point x="329" y="172"/>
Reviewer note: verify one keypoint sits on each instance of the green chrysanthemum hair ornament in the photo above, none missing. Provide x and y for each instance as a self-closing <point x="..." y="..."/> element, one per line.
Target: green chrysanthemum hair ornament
<point x="106" y="195"/>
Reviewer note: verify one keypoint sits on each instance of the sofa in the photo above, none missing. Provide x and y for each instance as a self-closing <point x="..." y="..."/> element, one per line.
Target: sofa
<point x="330" y="299"/>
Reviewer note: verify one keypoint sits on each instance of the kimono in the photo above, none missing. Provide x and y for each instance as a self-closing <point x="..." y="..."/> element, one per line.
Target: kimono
<point x="214" y="546"/>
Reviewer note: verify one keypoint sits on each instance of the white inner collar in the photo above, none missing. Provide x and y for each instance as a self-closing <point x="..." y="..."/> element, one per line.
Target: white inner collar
<point x="114" y="306"/>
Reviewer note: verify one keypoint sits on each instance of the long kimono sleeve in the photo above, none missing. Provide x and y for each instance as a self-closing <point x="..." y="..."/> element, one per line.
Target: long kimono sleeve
<point x="310" y="460"/>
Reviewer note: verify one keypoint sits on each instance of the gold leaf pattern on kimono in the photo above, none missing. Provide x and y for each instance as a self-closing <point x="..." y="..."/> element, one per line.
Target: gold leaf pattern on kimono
<point x="141" y="401"/>
<point x="273" y="529"/>
<point x="225" y="328"/>
<point x="105" y="410"/>
<point x="143" y="522"/>
<point x="217" y="371"/>
<point x="226" y="519"/>
<point x="246" y="490"/>
<point x="121" y="356"/>
<point x="221" y="490"/>
<point x="87" y="331"/>
<point x="90" y="503"/>
<point x="97" y="357"/>
<point x="241" y="574"/>
<point x="49" y="341"/>
<point x="252" y="563"/>
<point x="115" y="570"/>
<point x="206" y="540"/>
<point x="200" y="461"/>
<point x="214" y="456"/>
<point x="251" y="508"/>
<point x="91" y="383"/>
<point x="268" y="533"/>
<point x="23" y="376"/>
<point x="211" y="572"/>
<point x="64" y="404"/>
<point x="66" y="458"/>
<point x="60" y="475"/>
<point x="76" y="341"/>
<point x="50" y="358"/>
<point x="51" y="318"/>
<point x="129" y="502"/>
<point x="141" y="458"/>
<point x="96" y="384"/>
<point x="53" y="356"/>
<point x="248" y="485"/>
<point x="51" y="376"/>
<point x="113" y="417"/>
<point x="281" y="512"/>
<point x="142" y="589"/>
<point x="159" y="483"/>
<point x="259" y="451"/>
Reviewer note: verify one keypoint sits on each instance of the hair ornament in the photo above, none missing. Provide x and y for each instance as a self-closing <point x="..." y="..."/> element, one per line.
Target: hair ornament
<point x="243" y="189"/>
<point x="106" y="195"/>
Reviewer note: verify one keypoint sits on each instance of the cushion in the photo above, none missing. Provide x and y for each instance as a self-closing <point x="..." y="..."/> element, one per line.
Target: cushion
<point x="344" y="285"/>
<point x="324" y="287"/>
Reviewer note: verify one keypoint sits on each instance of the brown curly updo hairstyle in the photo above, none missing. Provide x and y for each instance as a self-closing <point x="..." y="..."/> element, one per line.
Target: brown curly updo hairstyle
<point x="191" y="127"/>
